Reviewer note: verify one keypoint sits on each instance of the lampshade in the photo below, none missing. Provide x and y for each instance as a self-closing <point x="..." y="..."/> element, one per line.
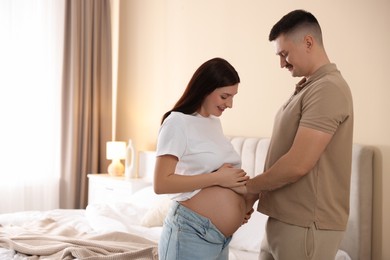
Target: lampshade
<point x="116" y="150"/>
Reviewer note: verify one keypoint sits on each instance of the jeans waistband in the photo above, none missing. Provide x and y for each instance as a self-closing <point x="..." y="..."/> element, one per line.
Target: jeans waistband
<point x="194" y="217"/>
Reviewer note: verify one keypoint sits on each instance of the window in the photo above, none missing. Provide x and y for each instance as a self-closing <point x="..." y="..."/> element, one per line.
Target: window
<point x="30" y="103"/>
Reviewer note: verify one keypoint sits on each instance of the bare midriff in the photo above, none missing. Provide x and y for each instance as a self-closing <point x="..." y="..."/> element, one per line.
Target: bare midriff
<point x="225" y="208"/>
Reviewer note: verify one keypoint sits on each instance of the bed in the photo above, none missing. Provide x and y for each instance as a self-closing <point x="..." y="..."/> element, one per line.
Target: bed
<point x="130" y="229"/>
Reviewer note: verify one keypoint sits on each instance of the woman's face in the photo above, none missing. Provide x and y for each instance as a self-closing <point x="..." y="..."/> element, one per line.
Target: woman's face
<point x="218" y="100"/>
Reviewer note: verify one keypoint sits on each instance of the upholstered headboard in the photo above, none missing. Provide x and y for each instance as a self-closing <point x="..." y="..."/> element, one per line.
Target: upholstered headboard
<point x="357" y="240"/>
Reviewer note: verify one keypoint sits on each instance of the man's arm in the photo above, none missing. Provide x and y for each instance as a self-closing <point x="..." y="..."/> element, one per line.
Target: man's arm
<point x="298" y="161"/>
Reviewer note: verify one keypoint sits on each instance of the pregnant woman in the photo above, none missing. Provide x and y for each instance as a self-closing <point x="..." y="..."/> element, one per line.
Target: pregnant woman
<point x="199" y="167"/>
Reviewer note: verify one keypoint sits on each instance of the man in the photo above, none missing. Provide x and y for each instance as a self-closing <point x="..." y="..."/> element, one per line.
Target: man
<point x="306" y="181"/>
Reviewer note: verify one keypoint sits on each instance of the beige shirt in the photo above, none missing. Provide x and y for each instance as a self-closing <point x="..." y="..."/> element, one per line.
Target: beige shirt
<point x="322" y="196"/>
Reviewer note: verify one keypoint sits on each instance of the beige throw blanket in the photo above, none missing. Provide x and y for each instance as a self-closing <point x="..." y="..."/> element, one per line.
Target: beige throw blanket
<point x="46" y="239"/>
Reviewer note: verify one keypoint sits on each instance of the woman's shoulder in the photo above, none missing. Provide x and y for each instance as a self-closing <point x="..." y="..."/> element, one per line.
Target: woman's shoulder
<point x="190" y="119"/>
<point x="175" y="116"/>
<point x="179" y="116"/>
<point x="175" y="120"/>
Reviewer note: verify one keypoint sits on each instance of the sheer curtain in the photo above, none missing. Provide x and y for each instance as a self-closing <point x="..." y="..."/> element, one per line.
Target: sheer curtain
<point x="31" y="49"/>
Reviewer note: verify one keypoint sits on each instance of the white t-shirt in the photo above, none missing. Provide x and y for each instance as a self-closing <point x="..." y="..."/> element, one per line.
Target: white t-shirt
<point x="199" y="144"/>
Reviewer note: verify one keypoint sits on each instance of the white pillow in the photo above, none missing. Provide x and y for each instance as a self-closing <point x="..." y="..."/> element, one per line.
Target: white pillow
<point x="155" y="216"/>
<point x="143" y="208"/>
<point x="144" y="198"/>
<point x="156" y="206"/>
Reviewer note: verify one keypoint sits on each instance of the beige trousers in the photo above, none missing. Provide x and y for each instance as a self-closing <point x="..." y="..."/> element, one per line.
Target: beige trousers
<point x="289" y="242"/>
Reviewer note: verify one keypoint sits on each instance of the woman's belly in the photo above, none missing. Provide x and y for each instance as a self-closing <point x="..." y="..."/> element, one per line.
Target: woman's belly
<point x="224" y="207"/>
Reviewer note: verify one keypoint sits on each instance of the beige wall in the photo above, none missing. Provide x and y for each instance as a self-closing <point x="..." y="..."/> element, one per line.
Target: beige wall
<point x="163" y="42"/>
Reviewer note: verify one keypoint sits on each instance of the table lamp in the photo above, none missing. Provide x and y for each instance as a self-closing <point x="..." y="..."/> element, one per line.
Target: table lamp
<point x="116" y="151"/>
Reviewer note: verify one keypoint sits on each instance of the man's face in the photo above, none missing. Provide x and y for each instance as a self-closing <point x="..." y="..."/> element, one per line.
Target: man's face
<point x="292" y="54"/>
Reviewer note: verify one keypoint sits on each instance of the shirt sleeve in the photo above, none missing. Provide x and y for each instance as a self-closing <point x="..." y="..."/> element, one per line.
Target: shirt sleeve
<point x="172" y="138"/>
<point x="324" y="108"/>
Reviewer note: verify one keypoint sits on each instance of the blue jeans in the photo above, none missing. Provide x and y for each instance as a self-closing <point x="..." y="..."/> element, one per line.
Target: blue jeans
<point x="187" y="235"/>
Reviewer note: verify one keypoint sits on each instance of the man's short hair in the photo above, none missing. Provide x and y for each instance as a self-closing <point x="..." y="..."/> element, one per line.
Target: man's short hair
<point x="296" y="20"/>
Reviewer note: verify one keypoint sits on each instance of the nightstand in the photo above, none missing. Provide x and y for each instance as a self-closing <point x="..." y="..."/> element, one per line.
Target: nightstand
<point x="104" y="188"/>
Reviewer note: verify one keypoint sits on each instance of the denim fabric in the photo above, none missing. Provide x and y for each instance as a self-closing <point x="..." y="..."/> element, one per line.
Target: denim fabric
<point x="187" y="235"/>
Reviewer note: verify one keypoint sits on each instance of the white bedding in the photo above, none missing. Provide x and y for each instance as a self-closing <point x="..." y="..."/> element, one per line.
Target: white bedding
<point x="118" y="220"/>
<point x="142" y="215"/>
<point x="69" y="234"/>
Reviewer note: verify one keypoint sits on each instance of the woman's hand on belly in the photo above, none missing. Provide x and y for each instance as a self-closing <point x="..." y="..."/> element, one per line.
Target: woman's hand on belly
<point x="225" y="208"/>
<point x="230" y="177"/>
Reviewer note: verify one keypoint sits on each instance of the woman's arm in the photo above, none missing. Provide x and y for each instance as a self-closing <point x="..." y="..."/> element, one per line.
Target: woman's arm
<point x="166" y="181"/>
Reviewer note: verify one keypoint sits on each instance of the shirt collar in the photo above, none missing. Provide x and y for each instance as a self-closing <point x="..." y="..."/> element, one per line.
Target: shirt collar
<point x="325" y="69"/>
